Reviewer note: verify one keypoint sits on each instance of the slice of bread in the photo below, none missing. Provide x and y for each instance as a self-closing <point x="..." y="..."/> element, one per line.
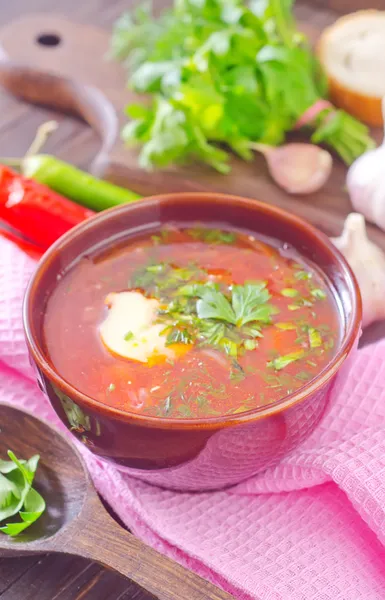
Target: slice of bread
<point x="352" y="53"/>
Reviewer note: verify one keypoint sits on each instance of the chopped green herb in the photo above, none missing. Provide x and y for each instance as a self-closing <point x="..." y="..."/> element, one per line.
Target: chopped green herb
<point x="213" y="236"/>
<point x="236" y="375"/>
<point x="201" y="399"/>
<point x="303" y="275"/>
<point x="289" y="292"/>
<point x="293" y="307"/>
<point x="184" y="410"/>
<point x="253" y="330"/>
<point x="324" y="329"/>
<point x="282" y="361"/>
<point x="250" y="344"/>
<point x="236" y="411"/>
<point x="318" y="294"/>
<point x="315" y="339"/>
<point x="167" y="404"/>
<point x="303" y="376"/>
<point x="285" y="326"/>
<point x="179" y="336"/>
<point x="128" y="336"/>
<point x="230" y="348"/>
<point x="111" y="387"/>
<point x="311" y="363"/>
<point x="156" y="268"/>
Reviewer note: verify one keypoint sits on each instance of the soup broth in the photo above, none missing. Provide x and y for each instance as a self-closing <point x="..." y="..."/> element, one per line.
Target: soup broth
<point x="191" y="323"/>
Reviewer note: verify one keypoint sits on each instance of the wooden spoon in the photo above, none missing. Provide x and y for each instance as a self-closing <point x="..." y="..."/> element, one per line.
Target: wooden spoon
<point x="75" y="521"/>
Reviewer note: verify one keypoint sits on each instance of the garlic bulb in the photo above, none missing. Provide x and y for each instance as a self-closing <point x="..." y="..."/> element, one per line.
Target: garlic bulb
<point x="368" y="264"/>
<point x="366" y="183"/>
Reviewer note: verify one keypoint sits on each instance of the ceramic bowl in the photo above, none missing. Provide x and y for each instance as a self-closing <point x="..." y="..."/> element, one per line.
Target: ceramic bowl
<point x="187" y="454"/>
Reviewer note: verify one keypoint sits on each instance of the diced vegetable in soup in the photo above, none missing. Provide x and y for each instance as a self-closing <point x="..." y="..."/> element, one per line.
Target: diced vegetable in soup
<point x="191" y="323"/>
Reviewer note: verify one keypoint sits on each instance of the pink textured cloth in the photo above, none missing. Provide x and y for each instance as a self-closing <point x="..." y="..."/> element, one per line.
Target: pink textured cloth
<point x="312" y="528"/>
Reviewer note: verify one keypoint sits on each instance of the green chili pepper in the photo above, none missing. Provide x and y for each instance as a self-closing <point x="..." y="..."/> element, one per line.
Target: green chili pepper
<point x="73" y="183"/>
<point x="65" y="179"/>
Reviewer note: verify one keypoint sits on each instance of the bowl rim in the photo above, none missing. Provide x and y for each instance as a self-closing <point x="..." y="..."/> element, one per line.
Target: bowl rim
<point x="352" y="328"/>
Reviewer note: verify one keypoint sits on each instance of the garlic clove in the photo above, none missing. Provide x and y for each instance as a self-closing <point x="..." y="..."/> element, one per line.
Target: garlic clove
<point x="368" y="264"/>
<point x="366" y="183"/>
<point x="297" y="168"/>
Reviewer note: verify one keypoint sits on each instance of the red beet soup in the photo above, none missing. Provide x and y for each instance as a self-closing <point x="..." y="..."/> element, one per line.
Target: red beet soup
<point x="191" y="321"/>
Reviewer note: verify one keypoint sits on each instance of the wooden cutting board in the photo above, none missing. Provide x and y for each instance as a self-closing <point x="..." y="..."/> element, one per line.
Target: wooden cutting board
<point x="50" y="60"/>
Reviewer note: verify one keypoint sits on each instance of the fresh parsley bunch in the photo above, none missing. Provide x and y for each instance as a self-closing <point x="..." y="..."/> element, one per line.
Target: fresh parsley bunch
<point x="224" y="73"/>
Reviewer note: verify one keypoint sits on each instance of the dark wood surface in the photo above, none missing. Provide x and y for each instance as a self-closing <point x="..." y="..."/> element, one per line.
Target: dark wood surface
<point x="54" y="577"/>
<point x="76" y="523"/>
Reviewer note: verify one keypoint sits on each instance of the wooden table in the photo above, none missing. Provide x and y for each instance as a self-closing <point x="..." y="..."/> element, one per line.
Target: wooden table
<point x="57" y="577"/>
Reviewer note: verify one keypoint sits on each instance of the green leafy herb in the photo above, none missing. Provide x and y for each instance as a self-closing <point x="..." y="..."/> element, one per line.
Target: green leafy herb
<point x="179" y="336"/>
<point x="212" y="236"/>
<point x="250" y="303"/>
<point x="233" y="73"/>
<point x="237" y="375"/>
<point x="293" y="307"/>
<point x="318" y="294"/>
<point x="250" y="344"/>
<point x="282" y="361"/>
<point x="315" y="339"/>
<point x="167" y="404"/>
<point x="184" y="410"/>
<point x="194" y="309"/>
<point x="17" y="497"/>
<point x="289" y="292"/>
<point x="302" y="275"/>
<point x="303" y="376"/>
<point x="162" y="279"/>
<point x="214" y="305"/>
<point x="128" y="336"/>
<point x="300" y="303"/>
<point x="286" y="326"/>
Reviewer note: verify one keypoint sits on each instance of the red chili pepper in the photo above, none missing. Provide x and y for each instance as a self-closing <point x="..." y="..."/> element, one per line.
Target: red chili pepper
<point x="35" y="210"/>
<point x="33" y="250"/>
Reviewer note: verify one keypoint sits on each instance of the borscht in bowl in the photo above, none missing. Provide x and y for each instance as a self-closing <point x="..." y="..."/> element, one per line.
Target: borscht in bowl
<point x="192" y="339"/>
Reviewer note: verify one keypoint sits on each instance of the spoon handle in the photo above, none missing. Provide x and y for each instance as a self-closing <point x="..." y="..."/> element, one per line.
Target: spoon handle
<point x="98" y="537"/>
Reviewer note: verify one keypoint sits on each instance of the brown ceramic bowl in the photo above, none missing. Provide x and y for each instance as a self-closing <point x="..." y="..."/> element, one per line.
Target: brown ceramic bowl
<point x="189" y="454"/>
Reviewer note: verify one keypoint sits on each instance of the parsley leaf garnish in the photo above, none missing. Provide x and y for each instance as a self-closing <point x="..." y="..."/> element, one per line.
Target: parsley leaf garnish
<point x="214" y="305"/>
<point x="250" y="303"/>
<point x="194" y="309"/>
<point x="16" y="494"/>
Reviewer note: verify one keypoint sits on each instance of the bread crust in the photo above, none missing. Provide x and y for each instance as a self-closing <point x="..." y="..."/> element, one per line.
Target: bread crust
<point x="366" y="107"/>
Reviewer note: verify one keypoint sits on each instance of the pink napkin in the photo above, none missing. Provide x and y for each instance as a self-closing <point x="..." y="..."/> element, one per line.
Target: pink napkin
<point x="312" y="528"/>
